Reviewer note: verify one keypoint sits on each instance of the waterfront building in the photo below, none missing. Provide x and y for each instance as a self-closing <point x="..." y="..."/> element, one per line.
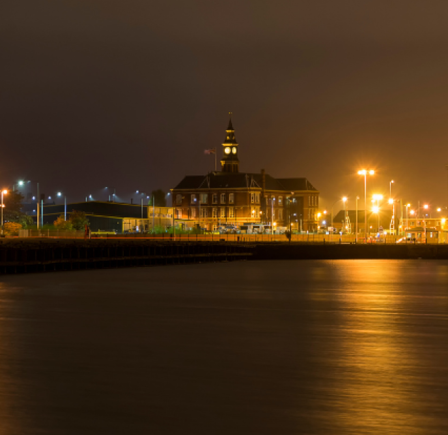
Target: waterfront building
<point x="115" y="217"/>
<point x="230" y="197"/>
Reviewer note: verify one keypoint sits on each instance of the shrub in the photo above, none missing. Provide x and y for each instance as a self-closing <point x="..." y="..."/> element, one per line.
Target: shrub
<point x="12" y="228"/>
<point x="61" y="224"/>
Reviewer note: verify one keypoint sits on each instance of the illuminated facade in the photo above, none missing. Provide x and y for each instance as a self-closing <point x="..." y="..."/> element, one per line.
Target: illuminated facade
<point x="229" y="197"/>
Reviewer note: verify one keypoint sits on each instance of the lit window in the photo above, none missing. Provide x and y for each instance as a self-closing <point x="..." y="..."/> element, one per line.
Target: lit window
<point x="280" y="200"/>
<point x="214" y="213"/>
<point x="231" y="198"/>
<point x="257" y="198"/>
<point x="223" y="198"/>
<point x="215" y="198"/>
<point x="252" y="198"/>
<point x="203" y="198"/>
<point x="223" y="212"/>
<point x="231" y="211"/>
<point x="193" y="212"/>
<point x="280" y="214"/>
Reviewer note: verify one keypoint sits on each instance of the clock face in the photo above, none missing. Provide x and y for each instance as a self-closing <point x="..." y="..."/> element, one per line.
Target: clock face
<point x="234" y="150"/>
<point x="227" y="150"/>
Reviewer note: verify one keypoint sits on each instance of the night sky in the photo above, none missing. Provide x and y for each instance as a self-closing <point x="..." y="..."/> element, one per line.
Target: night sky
<point x="130" y="93"/>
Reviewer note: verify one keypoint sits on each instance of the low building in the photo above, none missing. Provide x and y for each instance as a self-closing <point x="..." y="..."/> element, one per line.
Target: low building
<point x="116" y="217"/>
<point x="376" y="221"/>
<point x="230" y="197"/>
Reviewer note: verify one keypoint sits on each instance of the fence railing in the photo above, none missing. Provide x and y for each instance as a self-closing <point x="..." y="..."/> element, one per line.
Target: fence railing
<point x="247" y="238"/>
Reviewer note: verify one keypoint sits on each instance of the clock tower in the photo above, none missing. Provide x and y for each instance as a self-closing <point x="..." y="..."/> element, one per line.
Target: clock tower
<point x="229" y="160"/>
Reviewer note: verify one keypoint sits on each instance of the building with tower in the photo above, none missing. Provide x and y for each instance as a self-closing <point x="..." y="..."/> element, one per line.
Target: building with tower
<point x="231" y="197"/>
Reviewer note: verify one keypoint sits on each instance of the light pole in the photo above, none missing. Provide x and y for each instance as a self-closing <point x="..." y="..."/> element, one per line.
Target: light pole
<point x="364" y="172"/>
<point x="344" y="200"/>
<point x="65" y="205"/>
<point x="4" y="192"/>
<point x="390" y="187"/>
<point x="356" y="225"/>
<point x="407" y="218"/>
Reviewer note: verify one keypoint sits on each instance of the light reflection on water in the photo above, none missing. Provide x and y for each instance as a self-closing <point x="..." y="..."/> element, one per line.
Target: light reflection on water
<point x="300" y="347"/>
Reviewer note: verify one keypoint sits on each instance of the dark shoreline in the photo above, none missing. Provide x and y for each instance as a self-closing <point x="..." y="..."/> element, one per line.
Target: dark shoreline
<point x="47" y="255"/>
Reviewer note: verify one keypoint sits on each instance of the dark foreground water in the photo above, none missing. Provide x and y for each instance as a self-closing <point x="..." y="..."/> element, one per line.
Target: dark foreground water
<point x="291" y="347"/>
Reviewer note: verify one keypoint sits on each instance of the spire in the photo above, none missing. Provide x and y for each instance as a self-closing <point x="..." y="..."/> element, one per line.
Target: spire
<point x="230" y="127"/>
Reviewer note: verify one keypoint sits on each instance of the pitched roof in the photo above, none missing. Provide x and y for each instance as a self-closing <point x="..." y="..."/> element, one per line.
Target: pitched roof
<point x="296" y="184"/>
<point x="229" y="180"/>
<point x="385" y="216"/>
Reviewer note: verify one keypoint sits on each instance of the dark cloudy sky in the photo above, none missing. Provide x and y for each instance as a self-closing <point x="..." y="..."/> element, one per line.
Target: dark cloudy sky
<point x="130" y="93"/>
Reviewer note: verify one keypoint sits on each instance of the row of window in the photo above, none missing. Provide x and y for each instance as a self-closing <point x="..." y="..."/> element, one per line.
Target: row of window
<point x="204" y="212"/>
<point x="220" y="212"/>
<point x="273" y="200"/>
<point x="313" y="200"/>
<point x="278" y="215"/>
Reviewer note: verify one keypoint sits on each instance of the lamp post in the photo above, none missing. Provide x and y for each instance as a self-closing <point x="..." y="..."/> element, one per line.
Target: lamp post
<point x="356" y="224"/>
<point x="364" y="172"/>
<point x="4" y="192"/>
<point x="407" y="218"/>
<point x="65" y="204"/>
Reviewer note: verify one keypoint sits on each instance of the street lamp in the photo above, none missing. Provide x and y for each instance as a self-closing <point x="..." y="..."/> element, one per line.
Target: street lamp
<point x="4" y="192"/>
<point x="364" y="173"/>
<point x="65" y="205"/>
<point x="376" y="210"/>
<point x="407" y="217"/>
<point x="390" y="186"/>
<point x="392" y="222"/>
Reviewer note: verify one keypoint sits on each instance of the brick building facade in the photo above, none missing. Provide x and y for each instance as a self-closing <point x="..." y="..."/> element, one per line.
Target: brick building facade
<point x="231" y="197"/>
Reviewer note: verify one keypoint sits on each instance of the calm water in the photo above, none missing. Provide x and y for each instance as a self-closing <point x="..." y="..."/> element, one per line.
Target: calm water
<point x="292" y="347"/>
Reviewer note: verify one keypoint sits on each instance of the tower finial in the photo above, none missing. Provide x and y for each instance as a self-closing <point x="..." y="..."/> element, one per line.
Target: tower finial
<point x="230" y="127"/>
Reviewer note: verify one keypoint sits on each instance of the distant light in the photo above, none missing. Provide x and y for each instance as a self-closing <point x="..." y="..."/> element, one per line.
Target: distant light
<point x="371" y="172"/>
<point x="21" y="183"/>
<point x="443" y="221"/>
<point x="34" y="197"/>
<point x="49" y="197"/>
<point x="324" y="222"/>
<point x="148" y="197"/>
<point x="34" y="211"/>
<point x="137" y="191"/>
<point x="90" y="196"/>
<point x="5" y="192"/>
<point x="392" y="181"/>
<point x="319" y="215"/>
<point x="412" y="212"/>
<point x="59" y="194"/>
<point x="391" y="201"/>
<point x="408" y="205"/>
<point x="325" y="211"/>
<point x="363" y="172"/>
<point x="344" y="199"/>
<point x="377" y="197"/>
<point x="439" y="209"/>
<point x="375" y="209"/>
<point x="426" y="206"/>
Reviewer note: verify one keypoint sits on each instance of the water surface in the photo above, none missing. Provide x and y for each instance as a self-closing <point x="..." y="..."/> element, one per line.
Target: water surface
<point x="286" y="347"/>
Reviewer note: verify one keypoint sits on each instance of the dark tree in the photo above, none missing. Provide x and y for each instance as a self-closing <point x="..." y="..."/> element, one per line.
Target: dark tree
<point x="79" y="220"/>
<point x="12" y="212"/>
